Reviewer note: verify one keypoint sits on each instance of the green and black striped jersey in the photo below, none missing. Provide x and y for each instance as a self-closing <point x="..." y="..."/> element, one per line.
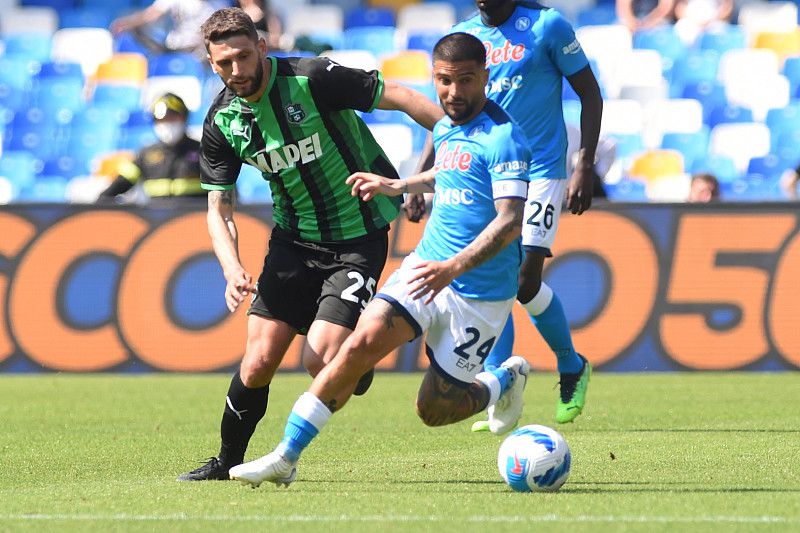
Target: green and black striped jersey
<point x="305" y="137"/>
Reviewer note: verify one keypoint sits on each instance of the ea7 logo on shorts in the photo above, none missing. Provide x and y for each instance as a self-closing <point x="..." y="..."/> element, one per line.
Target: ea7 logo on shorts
<point x="295" y="113"/>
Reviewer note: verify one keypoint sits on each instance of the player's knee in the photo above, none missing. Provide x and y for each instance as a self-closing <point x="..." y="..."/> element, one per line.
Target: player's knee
<point x="253" y="374"/>
<point x="529" y="285"/>
<point x="362" y="342"/>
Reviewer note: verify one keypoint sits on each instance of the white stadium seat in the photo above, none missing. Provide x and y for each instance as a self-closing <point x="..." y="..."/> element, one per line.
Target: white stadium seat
<point x="311" y="19"/>
<point x="622" y="117"/>
<point x="87" y="46"/>
<point x="426" y="17"/>
<point x="28" y="19"/>
<point x="187" y="87"/>
<point x="757" y="17"/>
<point x="608" y="45"/>
<point x="396" y="141"/>
<point x="740" y="141"/>
<point x="680" y="115"/>
<point x="747" y="64"/>
<point x="760" y="94"/>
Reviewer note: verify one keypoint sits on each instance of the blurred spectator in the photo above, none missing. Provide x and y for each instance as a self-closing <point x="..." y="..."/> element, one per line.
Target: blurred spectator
<point x="703" y="189"/>
<point x="694" y="16"/>
<point x="169" y="168"/>
<point x="643" y="14"/>
<point x="789" y="182"/>
<point x="266" y="21"/>
<point x="184" y="35"/>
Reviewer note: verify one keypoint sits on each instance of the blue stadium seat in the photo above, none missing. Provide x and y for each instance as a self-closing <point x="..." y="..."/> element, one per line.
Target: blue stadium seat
<point x="597" y="16"/>
<point x="35" y="46"/>
<point x="369" y="16"/>
<point x="88" y="142"/>
<point x="382" y="116"/>
<point x="783" y="120"/>
<point x="663" y="40"/>
<point x="697" y="66"/>
<point x="729" y="113"/>
<point x="38" y="132"/>
<point x="115" y="5"/>
<point x="751" y="188"/>
<point x="85" y="18"/>
<point x="45" y="189"/>
<point x="626" y="190"/>
<point x="770" y="166"/>
<point x="58" y="5"/>
<point x="61" y="70"/>
<point x="251" y="187"/>
<point x="16" y="81"/>
<point x="18" y="167"/>
<point x="726" y="38"/>
<point x="710" y="94"/>
<point x="58" y="93"/>
<point x="376" y="39"/>
<point x="175" y="64"/>
<point x="424" y="41"/>
<point x="125" y="97"/>
<point x="137" y="132"/>
<point x="125" y="43"/>
<point x="627" y="145"/>
<point x="722" y="167"/>
<point x="791" y="69"/>
<point x="693" y="146"/>
<point x="101" y="116"/>
<point x="63" y="166"/>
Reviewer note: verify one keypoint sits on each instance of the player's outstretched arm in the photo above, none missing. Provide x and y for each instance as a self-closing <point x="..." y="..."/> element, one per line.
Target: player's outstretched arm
<point x="367" y="186"/>
<point x="413" y="103"/>
<point x="433" y="276"/>
<point x="579" y="189"/>
<point x="224" y="239"/>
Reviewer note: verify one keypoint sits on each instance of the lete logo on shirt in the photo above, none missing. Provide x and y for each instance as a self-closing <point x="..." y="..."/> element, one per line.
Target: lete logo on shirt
<point x="505" y="53"/>
<point x="454" y="159"/>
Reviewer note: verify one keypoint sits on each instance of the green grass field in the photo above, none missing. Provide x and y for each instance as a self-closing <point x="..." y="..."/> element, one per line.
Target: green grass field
<point x="668" y="452"/>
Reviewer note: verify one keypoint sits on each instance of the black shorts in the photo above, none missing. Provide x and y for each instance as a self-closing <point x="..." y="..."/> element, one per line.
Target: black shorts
<point x="304" y="281"/>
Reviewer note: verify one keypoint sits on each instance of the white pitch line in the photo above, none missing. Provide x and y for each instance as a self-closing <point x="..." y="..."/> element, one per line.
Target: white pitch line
<point x="642" y="519"/>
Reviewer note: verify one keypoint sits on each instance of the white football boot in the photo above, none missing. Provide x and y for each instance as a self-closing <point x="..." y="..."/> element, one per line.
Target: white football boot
<point x="505" y="413"/>
<point x="272" y="467"/>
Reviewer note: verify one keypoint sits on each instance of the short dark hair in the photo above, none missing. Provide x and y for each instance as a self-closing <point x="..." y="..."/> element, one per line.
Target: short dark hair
<point x="459" y="46"/>
<point x="227" y="22"/>
<point x="711" y="179"/>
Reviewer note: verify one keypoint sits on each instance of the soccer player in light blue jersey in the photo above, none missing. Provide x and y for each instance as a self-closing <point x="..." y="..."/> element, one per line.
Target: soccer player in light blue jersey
<point x="459" y="284"/>
<point x="530" y="49"/>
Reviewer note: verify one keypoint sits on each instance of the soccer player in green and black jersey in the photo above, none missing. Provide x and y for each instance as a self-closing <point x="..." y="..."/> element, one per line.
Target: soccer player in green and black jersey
<point x="294" y="120"/>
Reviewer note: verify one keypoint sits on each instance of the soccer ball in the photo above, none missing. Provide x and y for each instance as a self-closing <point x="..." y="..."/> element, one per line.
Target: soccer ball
<point x="534" y="459"/>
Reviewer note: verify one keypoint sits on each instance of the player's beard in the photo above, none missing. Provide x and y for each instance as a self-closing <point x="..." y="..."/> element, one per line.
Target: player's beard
<point x="461" y="112"/>
<point x="254" y="83"/>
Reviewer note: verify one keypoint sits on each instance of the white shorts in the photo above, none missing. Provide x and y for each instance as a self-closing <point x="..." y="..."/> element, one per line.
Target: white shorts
<point x="461" y="331"/>
<point x="542" y="213"/>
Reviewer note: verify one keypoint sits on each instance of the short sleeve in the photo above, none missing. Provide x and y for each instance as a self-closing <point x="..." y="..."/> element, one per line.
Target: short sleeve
<point x="219" y="164"/>
<point x="507" y="159"/>
<point x="338" y="87"/>
<point x="564" y="49"/>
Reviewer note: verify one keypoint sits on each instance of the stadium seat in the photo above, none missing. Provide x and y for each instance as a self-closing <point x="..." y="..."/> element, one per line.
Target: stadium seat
<point x="314" y="19"/>
<point x="116" y="5"/>
<point x="187" y="87"/>
<point x="729" y="114"/>
<point x="16" y="81"/>
<point x="431" y="16"/>
<point x="791" y="69"/>
<point x="759" y="94"/>
<point x="770" y="166"/>
<point x="722" y="167"/>
<point x="28" y="45"/>
<point x="692" y="146"/>
<point x="654" y="164"/>
<point x="784" y="119"/>
<point x="87" y="46"/>
<point x="644" y="94"/>
<point x="784" y="44"/>
<point x="423" y="40"/>
<point x="126" y="97"/>
<point x="758" y="17"/>
<point x="176" y="64"/>
<point x="377" y="39"/>
<point x="669" y="188"/>
<point x="410" y="66"/>
<point x="736" y="65"/>
<point x="711" y="95"/>
<point x="18" y="167"/>
<point x="29" y="20"/>
<point x="723" y="38"/>
<point x="663" y="40"/>
<point x="382" y="116"/>
<point x="622" y="117"/>
<point x="395" y="5"/>
<point x="694" y="67"/>
<point x="570" y="8"/>
<point x="369" y="16"/>
<point x="85" y="18"/>
<point x="137" y="132"/>
<point x="251" y="187"/>
<point x="627" y="145"/>
<point x="37" y="132"/>
<point x="123" y="68"/>
<point x="626" y="190"/>
<point x="63" y="166"/>
<point x="45" y="189"/>
<point x="60" y="70"/>
<point x="58" y="5"/>
<point x="682" y="115"/>
<point x="362" y="59"/>
<point x="87" y="142"/>
<point x="56" y="93"/>
<point x="395" y="139"/>
<point x="751" y="188"/>
<point x="741" y="142"/>
<point x="641" y="68"/>
<point x="597" y="16"/>
<point x="608" y="46"/>
<point x="7" y="193"/>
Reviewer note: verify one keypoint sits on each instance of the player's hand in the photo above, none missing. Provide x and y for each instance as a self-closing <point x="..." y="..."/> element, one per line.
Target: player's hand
<point x="579" y="190"/>
<point x="430" y="278"/>
<point x="238" y="287"/>
<point x="367" y="186"/>
<point x="414" y="207"/>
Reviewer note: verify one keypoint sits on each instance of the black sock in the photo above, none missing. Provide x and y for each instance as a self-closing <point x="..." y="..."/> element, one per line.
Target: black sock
<point x="244" y="408"/>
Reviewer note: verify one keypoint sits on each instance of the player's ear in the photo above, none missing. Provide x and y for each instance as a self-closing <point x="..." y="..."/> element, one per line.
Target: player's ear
<point x="262" y="46"/>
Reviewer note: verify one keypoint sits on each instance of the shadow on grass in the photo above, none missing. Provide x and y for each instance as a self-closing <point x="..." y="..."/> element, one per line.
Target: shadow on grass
<point x="689" y="430"/>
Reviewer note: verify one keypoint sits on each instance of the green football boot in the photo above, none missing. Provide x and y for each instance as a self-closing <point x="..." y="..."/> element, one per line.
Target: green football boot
<point x="573" y="393"/>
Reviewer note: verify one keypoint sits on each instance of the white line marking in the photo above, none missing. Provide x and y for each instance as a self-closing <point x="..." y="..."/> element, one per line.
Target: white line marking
<point x="643" y="519"/>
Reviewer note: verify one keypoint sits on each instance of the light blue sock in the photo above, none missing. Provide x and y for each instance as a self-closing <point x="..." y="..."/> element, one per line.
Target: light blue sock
<point x="548" y="316"/>
<point x="308" y="417"/>
<point x="502" y="347"/>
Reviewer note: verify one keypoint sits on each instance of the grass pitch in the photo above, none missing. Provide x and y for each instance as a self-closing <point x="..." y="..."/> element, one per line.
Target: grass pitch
<point x="671" y="452"/>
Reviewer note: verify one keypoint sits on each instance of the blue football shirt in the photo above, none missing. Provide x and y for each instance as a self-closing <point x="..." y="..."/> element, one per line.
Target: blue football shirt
<point x="528" y="56"/>
<point x="478" y="162"/>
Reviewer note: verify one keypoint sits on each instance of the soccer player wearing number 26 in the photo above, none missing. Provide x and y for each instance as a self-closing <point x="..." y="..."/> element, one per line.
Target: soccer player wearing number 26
<point x="294" y="120"/>
<point x="459" y="283"/>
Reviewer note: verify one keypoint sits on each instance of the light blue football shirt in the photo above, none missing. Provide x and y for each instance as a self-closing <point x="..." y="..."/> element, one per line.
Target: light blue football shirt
<point x="478" y="162"/>
<point x="528" y="56"/>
